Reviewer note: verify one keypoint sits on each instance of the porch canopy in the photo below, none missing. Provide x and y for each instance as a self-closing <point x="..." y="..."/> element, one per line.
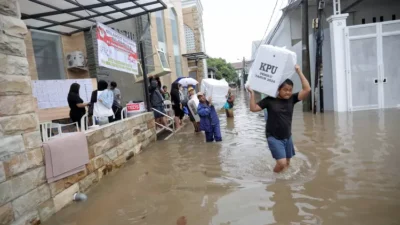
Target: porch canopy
<point x="67" y="17"/>
<point x="197" y="56"/>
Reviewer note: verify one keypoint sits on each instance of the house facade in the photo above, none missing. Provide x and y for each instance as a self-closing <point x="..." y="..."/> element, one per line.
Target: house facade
<point x="360" y="40"/>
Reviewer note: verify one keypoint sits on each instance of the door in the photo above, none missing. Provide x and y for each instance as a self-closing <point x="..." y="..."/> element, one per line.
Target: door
<point x="362" y="65"/>
<point x="391" y="67"/>
<point x="373" y="71"/>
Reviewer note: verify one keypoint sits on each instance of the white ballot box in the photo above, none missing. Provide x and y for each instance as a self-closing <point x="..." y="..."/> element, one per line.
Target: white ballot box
<point x="217" y="89"/>
<point x="271" y="67"/>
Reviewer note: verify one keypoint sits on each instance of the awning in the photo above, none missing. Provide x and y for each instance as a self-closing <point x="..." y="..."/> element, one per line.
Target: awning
<point x="72" y="16"/>
<point x="196" y="56"/>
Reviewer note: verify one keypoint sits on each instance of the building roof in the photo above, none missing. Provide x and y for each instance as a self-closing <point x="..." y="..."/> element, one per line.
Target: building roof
<point x="239" y="65"/>
<point x="72" y="16"/>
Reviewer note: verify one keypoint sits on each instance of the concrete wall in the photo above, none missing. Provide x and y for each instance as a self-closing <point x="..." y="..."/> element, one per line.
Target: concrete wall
<point x="372" y="8"/>
<point x="130" y="91"/>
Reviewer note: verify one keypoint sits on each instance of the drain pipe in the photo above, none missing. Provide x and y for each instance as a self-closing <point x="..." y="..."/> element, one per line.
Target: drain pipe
<point x="79" y="197"/>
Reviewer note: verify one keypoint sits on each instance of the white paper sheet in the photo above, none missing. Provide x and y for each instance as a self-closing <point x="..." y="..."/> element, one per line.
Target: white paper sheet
<point x="54" y="93"/>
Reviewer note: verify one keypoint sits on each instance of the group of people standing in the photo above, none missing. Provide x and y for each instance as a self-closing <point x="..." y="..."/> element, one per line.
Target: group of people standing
<point x="104" y="105"/>
<point x="201" y="111"/>
<point x="179" y="100"/>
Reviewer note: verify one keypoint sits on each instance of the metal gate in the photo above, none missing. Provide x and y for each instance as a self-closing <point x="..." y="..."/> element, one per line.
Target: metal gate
<point x="373" y="65"/>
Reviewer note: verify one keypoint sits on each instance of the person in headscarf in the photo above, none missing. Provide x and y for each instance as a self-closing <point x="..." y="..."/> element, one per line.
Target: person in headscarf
<point x="76" y="104"/>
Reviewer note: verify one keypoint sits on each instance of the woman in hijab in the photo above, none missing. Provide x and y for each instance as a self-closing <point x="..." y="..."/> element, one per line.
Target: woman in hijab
<point x="101" y="111"/>
<point x="177" y="104"/>
<point x="76" y="104"/>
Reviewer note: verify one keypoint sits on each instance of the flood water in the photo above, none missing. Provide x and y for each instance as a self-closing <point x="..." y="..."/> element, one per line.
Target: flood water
<point x="346" y="171"/>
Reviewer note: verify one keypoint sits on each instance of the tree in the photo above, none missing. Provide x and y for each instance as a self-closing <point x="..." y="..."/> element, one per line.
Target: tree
<point x="224" y="69"/>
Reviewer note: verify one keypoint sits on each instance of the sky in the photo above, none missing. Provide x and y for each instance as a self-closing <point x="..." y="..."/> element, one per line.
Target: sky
<point x="230" y="26"/>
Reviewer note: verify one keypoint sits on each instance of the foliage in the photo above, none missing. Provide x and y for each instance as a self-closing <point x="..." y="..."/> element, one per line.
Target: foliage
<point x="224" y="69"/>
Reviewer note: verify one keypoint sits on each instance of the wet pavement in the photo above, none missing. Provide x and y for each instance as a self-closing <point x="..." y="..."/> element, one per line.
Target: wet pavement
<point x="345" y="172"/>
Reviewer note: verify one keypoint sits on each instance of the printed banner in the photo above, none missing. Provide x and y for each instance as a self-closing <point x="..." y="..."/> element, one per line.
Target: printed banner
<point x="115" y="51"/>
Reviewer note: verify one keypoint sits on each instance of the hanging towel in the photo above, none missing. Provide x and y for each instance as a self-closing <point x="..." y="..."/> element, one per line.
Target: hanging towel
<point x="65" y="155"/>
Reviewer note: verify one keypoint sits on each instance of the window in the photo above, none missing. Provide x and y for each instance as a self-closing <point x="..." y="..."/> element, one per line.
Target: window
<point x="175" y="39"/>
<point x="48" y="56"/>
<point x="190" y="39"/>
<point x="162" y="43"/>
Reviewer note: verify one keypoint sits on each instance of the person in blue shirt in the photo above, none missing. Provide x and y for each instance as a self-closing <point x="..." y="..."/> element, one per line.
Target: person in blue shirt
<point x="209" y="121"/>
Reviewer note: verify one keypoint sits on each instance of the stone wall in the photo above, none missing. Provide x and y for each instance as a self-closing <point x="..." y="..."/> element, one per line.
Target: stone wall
<point x="25" y="196"/>
<point x="22" y="183"/>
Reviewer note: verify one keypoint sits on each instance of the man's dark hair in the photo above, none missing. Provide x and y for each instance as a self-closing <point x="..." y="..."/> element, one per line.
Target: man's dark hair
<point x="165" y="86"/>
<point x="113" y="84"/>
<point x="102" y="85"/>
<point x="288" y="82"/>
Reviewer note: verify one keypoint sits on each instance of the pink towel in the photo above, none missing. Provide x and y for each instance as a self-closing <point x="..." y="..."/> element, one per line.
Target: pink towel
<point x="65" y="155"/>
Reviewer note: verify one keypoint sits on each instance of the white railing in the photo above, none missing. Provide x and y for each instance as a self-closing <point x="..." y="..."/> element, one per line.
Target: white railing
<point x="124" y="115"/>
<point x="169" y="123"/>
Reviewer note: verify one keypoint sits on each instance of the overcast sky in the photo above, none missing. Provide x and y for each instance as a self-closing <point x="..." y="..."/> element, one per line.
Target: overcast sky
<point x="230" y="26"/>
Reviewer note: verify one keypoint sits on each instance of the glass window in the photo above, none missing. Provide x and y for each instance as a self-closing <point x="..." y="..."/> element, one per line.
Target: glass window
<point x="175" y="39"/>
<point x="162" y="43"/>
<point x="48" y="56"/>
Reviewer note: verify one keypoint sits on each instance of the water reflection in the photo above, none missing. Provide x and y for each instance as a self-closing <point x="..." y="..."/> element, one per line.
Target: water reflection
<point x="345" y="172"/>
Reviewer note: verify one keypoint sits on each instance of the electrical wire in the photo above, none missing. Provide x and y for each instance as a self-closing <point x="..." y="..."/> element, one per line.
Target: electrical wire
<point x="269" y="23"/>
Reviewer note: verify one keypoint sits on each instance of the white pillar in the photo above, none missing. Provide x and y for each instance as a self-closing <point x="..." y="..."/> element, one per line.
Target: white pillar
<point x="337" y="23"/>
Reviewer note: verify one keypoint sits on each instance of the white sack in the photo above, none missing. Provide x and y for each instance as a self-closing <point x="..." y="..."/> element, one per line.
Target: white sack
<point x="217" y="89"/>
<point x="192" y="105"/>
<point x="271" y="67"/>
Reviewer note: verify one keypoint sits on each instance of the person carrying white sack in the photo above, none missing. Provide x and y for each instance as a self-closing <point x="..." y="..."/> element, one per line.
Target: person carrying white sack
<point x="102" y="100"/>
<point x="280" y="114"/>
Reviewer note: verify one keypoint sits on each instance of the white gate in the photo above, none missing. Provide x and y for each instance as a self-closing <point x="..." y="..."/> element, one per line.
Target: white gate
<point x="373" y="65"/>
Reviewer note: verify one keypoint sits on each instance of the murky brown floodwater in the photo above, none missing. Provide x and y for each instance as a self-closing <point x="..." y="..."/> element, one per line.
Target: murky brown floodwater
<point x="346" y="172"/>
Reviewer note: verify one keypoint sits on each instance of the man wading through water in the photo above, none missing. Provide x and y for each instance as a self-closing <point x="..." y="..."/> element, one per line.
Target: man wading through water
<point x="280" y="114"/>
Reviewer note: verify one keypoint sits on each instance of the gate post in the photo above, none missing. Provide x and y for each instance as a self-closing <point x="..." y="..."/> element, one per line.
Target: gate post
<point x="337" y="25"/>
